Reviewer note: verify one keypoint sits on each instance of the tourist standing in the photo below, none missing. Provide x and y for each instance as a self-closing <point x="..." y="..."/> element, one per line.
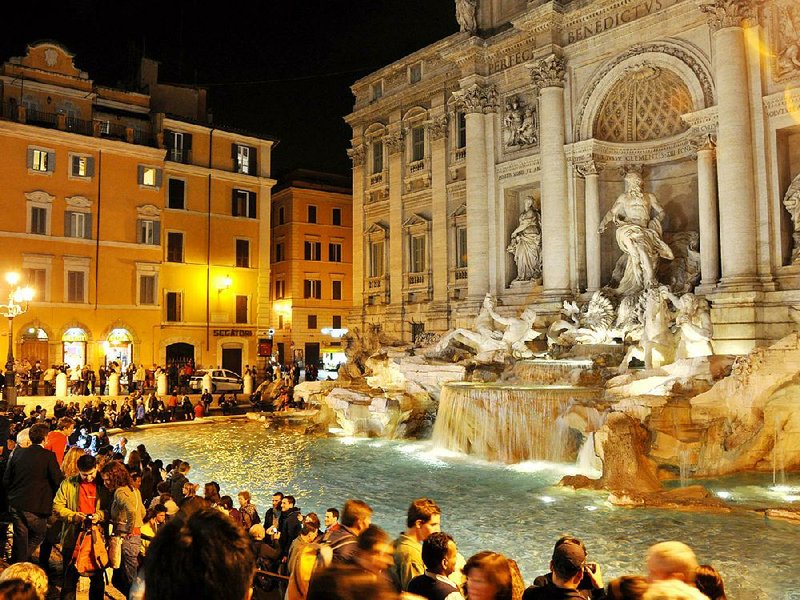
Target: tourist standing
<point x="488" y="577"/>
<point x="31" y="479"/>
<point x="247" y="511"/>
<point x="80" y="503"/>
<point x="423" y="518"/>
<point x="58" y="440"/>
<point x="568" y="568"/>
<point x="439" y="553"/>
<point x="127" y="519"/>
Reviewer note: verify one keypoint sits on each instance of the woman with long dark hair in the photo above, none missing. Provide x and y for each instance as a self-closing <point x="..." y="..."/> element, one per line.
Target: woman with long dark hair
<point x="127" y="518"/>
<point x="488" y="577"/>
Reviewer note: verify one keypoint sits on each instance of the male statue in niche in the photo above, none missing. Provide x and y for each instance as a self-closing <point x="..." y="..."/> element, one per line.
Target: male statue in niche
<point x="638" y="217"/>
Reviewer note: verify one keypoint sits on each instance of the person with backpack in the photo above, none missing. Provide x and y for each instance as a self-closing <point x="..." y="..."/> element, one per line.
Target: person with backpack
<point x="81" y="502"/>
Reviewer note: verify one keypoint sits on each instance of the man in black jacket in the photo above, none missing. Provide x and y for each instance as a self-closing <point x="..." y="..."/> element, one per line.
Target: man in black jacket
<point x="291" y="522"/>
<point x="31" y="479"/>
<point x="570" y="577"/>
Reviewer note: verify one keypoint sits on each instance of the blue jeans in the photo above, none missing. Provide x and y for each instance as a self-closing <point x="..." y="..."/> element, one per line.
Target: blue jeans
<point x="125" y="575"/>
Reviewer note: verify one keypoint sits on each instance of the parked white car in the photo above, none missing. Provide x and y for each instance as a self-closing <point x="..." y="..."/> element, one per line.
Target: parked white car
<point x="222" y="380"/>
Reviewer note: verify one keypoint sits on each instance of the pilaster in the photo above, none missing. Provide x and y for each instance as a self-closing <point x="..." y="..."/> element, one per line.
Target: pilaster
<point x="591" y="174"/>
<point x="394" y="145"/>
<point x="437" y="130"/>
<point x="358" y="154"/>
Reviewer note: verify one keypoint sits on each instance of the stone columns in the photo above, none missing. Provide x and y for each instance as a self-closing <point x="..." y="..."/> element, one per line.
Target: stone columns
<point x="439" y="234"/>
<point x="591" y="174"/>
<point x="479" y="103"/>
<point x="358" y="154"/>
<point x="394" y="144"/>
<point x="548" y="76"/>
<point x="707" y="212"/>
<point x="734" y="141"/>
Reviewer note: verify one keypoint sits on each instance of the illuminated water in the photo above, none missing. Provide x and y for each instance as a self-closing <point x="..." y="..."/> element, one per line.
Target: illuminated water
<point x="514" y="510"/>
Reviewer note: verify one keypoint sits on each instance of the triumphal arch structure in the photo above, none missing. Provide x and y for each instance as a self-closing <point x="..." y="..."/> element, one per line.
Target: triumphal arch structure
<point x="552" y="149"/>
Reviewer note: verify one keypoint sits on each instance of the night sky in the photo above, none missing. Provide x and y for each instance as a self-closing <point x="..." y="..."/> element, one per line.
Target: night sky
<point x="281" y="68"/>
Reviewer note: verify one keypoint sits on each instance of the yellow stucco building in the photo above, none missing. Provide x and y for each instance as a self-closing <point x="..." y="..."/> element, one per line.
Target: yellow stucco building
<point x="312" y="270"/>
<point x="143" y="229"/>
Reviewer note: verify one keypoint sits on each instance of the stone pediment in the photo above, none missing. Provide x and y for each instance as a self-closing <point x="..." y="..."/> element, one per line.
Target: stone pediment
<point x="461" y="211"/>
<point x="78" y="202"/>
<point x="147" y="210"/>
<point x="40" y="196"/>
<point x="416" y="219"/>
<point x="51" y="57"/>
<point x="376" y="229"/>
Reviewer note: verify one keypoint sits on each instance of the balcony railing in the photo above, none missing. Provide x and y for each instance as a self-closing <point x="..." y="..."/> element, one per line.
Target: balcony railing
<point x="375" y="284"/>
<point x="63" y="122"/>
<point x="460" y="274"/>
<point x="459" y="154"/>
<point x="376" y="179"/>
<point x="417" y="280"/>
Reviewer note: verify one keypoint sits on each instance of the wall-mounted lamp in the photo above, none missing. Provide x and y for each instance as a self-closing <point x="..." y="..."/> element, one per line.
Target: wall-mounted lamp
<point x="224" y="284"/>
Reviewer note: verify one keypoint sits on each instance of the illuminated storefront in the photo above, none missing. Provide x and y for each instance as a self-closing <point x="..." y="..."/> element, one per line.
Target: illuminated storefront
<point x="74" y="343"/>
<point x="118" y="347"/>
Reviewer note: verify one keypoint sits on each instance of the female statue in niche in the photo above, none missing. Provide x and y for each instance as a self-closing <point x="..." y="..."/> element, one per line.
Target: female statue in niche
<point x="526" y="243"/>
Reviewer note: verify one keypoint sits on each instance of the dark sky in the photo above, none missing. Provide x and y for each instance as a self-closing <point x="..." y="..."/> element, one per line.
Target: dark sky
<point x="279" y="67"/>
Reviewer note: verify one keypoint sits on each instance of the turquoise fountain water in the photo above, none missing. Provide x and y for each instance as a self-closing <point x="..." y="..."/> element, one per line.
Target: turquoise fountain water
<point x="515" y="510"/>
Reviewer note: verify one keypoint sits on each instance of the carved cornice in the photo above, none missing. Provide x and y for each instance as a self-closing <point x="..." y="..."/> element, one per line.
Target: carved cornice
<point x="549" y="72"/>
<point x="394" y="142"/>
<point x="479" y="99"/>
<point x="437" y="127"/>
<point x="40" y="196"/>
<point x="78" y="202"/>
<point x="358" y="154"/>
<point x="704" y="141"/>
<point x="783" y="103"/>
<point x="702" y="122"/>
<point x="614" y="154"/>
<point x="727" y="13"/>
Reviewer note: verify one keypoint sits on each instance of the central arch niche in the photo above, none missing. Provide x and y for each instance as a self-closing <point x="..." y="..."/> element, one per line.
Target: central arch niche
<point x="644" y="105"/>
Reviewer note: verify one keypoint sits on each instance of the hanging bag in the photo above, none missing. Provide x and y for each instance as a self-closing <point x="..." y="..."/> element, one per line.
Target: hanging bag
<point x="90" y="554"/>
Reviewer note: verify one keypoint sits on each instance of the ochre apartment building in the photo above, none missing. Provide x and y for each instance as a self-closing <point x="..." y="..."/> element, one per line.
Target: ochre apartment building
<point x="143" y="229"/>
<point x="312" y="253"/>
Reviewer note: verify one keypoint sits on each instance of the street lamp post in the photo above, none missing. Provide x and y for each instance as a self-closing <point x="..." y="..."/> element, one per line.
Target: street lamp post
<point x="18" y="299"/>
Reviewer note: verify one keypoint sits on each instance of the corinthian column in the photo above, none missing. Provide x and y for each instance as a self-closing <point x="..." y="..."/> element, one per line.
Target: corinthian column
<point x="358" y="154"/>
<point x="394" y="145"/>
<point x="737" y="209"/>
<point x="591" y="175"/>
<point x="437" y="130"/>
<point x="708" y="214"/>
<point x="478" y="103"/>
<point x="548" y="76"/>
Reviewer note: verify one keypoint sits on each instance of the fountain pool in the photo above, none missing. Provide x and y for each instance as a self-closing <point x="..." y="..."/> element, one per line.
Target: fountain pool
<point x="515" y="509"/>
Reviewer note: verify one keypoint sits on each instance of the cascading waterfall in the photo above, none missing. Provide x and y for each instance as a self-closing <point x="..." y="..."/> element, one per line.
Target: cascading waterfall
<point x="683" y="456"/>
<point x="502" y="423"/>
<point x="548" y="372"/>
<point x="778" y="465"/>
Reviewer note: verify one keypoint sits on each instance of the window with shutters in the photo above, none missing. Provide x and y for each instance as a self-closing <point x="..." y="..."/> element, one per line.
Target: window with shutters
<point x="245" y="159"/>
<point x="243" y="204"/>
<point x="78" y="225"/>
<point x="280" y="289"/>
<point x="417" y="247"/>
<point x="337" y="322"/>
<point x="40" y="160"/>
<point x="312" y="322"/>
<point x="461" y="130"/>
<point x="175" y="246"/>
<point x="312" y="213"/>
<point x="81" y="166"/>
<point x="376" y="259"/>
<point x="149" y="232"/>
<point x="36" y="279"/>
<point x="179" y="146"/>
<point x="377" y="157"/>
<point x="279" y="257"/>
<point x="336" y="216"/>
<point x="147" y="289"/>
<point x="174" y="306"/>
<point x="312" y="250"/>
<point x="417" y="143"/>
<point x="149" y="177"/>
<point x="38" y="216"/>
<point x="243" y="254"/>
<point x="415" y="73"/>
<point x="335" y="252"/>
<point x="241" y="309"/>
<point x="176" y="193"/>
<point x="312" y="288"/>
<point x="336" y="290"/>
<point x="76" y="281"/>
<point x="281" y="215"/>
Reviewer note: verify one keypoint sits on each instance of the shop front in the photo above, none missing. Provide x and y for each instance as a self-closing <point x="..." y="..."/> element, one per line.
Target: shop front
<point x="73" y="343"/>
<point x="118" y="347"/>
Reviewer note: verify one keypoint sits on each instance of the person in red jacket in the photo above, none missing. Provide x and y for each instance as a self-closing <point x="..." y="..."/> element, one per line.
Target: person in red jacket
<point x="57" y="441"/>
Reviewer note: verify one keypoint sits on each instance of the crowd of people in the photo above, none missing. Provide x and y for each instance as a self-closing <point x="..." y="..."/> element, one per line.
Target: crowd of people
<point x="166" y="539"/>
<point x="34" y="378"/>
